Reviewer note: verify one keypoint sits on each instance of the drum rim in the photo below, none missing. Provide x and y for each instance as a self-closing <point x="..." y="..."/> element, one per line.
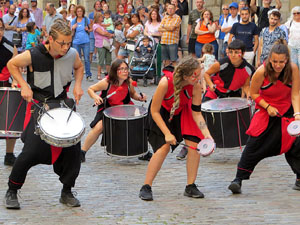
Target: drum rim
<point x="10" y="133"/>
<point x="125" y="118"/>
<point x="9" y="89"/>
<point x="227" y="110"/>
<point x="61" y="139"/>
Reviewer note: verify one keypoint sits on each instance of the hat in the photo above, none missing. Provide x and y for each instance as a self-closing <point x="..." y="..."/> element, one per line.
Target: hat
<point x="33" y="0"/>
<point x="234" y="4"/>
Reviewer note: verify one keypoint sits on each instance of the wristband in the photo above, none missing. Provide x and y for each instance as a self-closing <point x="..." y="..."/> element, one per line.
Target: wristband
<point x="296" y="113"/>
<point x="258" y="99"/>
<point x="267" y="107"/>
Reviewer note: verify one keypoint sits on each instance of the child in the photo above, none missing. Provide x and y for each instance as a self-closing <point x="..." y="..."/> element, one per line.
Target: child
<point x="145" y="48"/>
<point x="120" y="39"/>
<point x="118" y="77"/>
<point x="33" y="35"/>
<point x="108" y="24"/>
<point x="175" y="114"/>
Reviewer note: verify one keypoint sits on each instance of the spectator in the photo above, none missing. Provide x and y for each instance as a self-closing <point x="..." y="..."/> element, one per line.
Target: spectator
<point x="222" y="18"/>
<point x="93" y="51"/>
<point x="63" y="5"/>
<point x="228" y="23"/>
<point x="71" y="12"/>
<point x="268" y="36"/>
<point x="24" y="5"/>
<point x="105" y="8"/>
<point x="64" y="14"/>
<point x="127" y="21"/>
<point x="160" y="7"/>
<point x="152" y="25"/>
<point x="10" y="23"/>
<point x="33" y="35"/>
<point x="120" y="39"/>
<point x="81" y="41"/>
<point x="262" y="12"/>
<point x="100" y="35"/>
<point x="120" y="14"/>
<point x="205" y="30"/>
<point x="108" y="23"/>
<point x="184" y="6"/>
<point x="169" y="27"/>
<point x="242" y="4"/>
<point x="247" y="32"/>
<point x="50" y="18"/>
<point x="130" y="9"/>
<point x="124" y="4"/>
<point x="6" y="5"/>
<point x="293" y="24"/>
<point x="191" y="36"/>
<point x="23" y="19"/>
<point x="142" y="14"/>
<point x="37" y="13"/>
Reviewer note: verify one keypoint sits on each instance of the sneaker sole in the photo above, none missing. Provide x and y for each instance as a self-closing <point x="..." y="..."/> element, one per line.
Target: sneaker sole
<point x="12" y="206"/>
<point x="235" y="188"/>
<point x="193" y="196"/>
<point x="145" y="199"/>
<point x="67" y="204"/>
<point x="180" y="158"/>
<point x="295" y="187"/>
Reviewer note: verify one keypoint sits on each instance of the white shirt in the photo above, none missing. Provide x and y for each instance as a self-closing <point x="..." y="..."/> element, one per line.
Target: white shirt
<point x="294" y="33"/>
<point x="229" y="23"/>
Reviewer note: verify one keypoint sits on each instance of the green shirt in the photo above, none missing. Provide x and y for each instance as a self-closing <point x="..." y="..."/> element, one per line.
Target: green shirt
<point x="193" y="17"/>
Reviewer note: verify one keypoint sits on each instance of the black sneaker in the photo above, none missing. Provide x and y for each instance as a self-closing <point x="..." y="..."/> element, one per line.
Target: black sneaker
<point x="69" y="199"/>
<point x="11" y="200"/>
<point x="146" y="157"/>
<point x="146" y="193"/>
<point x="191" y="190"/>
<point x="9" y="159"/>
<point x="236" y="186"/>
<point x="182" y="154"/>
<point x="82" y="156"/>
<point x="297" y="185"/>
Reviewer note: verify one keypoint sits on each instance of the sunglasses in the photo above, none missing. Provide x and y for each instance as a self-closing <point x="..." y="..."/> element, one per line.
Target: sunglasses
<point x="296" y="13"/>
<point x="225" y="8"/>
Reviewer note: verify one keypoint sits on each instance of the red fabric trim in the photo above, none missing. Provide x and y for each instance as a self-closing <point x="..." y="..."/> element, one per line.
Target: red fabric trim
<point x="286" y="140"/>
<point x="4" y="74"/>
<point x="15" y="182"/>
<point x="211" y="94"/>
<point x="250" y="171"/>
<point x="55" y="152"/>
<point x="27" y="115"/>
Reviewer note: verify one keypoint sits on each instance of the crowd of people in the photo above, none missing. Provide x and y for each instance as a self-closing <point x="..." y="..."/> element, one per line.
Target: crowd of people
<point x="224" y="56"/>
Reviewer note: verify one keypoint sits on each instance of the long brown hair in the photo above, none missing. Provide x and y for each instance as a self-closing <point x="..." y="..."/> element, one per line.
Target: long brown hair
<point x="113" y="73"/>
<point x="279" y="47"/>
<point x="186" y="67"/>
<point x="20" y="17"/>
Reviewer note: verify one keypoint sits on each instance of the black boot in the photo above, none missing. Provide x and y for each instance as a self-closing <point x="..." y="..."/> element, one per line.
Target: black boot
<point x="11" y="199"/>
<point x="236" y="186"/>
<point x="68" y="198"/>
<point x="82" y="156"/>
<point x="9" y="159"/>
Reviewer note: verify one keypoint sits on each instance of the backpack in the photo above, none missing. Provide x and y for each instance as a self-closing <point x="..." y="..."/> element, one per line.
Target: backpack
<point x="238" y="16"/>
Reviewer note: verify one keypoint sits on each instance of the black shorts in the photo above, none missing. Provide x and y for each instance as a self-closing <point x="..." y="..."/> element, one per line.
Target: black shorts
<point x="191" y="47"/>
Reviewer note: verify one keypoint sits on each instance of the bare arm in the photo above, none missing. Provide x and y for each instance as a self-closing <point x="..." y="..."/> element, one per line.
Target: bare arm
<point x="278" y="4"/>
<point x="198" y="31"/>
<point x="78" y="74"/>
<point x="256" y="42"/>
<point x="253" y="6"/>
<point x="212" y="70"/>
<point x="212" y="28"/>
<point x="135" y="95"/>
<point x="259" y="50"/>
<point x="100" y="86"/>
<point x="103" y="32"/>
<point x="230" y="38"/>
<point x="188" y="32"/>
<point x="295" y="90"/>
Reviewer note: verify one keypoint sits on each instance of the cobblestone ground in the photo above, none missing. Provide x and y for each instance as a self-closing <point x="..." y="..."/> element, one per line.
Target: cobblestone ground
<point x="108" y="190"/>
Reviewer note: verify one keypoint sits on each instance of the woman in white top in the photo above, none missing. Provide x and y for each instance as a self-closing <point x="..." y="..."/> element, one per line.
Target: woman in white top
<point x="152" y="25"/>
<point x="293" y="25"/>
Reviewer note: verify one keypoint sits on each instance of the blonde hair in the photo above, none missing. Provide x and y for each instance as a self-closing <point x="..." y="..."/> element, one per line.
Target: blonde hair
<point x="59" y="27"/>
<point x="186" y="67"/>
<point x="97" y="16"/>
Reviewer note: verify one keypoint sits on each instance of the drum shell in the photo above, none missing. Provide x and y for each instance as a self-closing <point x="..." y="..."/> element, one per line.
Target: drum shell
<point x="12" y="112"/>
<point x="228" y="128"/>
<point x="125" y="137"/>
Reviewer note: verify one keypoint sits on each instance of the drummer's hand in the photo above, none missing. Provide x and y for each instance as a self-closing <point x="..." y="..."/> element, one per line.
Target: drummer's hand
<point x="208" y="137"/>
<point x="272" y="111"/>
<point x="297" y="117"/>
<point x="170" y="139"/>
<point x="144" y="98"/>
<point x="212" y="87"/>
<point x="27" y="93"/>
<point x="77" y="92"/>
<point x="15" y="84"/>
<point x="98" y="100"/>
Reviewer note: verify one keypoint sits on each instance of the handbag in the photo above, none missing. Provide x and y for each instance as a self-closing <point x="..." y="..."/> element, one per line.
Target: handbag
<point x="130" y="45"/>
<point x="106" y="44"/>
<point x="17" y="39"/>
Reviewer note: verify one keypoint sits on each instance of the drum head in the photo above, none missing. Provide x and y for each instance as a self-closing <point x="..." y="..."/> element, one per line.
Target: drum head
<point x="58" y="127"/>
<point x="206" y="147"/>
<point x="125" y="112"/>
<point x="225" y="104"/>
<point x="294" y="128"/>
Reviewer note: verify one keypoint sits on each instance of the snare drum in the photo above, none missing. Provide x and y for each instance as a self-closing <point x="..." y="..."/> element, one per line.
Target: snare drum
<point x="124" y="130"/>
<point x="227" y="120"/>
<point x="58" y="132"/>
<point x="12" y="112"/>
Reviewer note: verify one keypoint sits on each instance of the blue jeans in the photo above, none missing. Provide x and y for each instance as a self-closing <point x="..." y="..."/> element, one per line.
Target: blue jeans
<point x="86" y="53"/>
<point x="295" y="55"/>
<point x="198" y="48"/>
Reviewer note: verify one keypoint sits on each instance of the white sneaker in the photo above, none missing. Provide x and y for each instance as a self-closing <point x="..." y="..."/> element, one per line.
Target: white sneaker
<point x="112" y="48"/>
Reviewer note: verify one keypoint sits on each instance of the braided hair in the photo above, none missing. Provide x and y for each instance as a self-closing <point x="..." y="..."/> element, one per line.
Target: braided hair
<point x="186" y="67"/>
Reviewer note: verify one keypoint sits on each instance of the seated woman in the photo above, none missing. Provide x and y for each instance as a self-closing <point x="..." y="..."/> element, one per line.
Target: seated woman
<point x="118" y="77"/>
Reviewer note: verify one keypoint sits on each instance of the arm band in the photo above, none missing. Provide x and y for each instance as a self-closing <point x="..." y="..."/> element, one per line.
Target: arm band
<point x="196" y="108"/>
<point x="258" y="99"/>
<point x="267" y="107"/>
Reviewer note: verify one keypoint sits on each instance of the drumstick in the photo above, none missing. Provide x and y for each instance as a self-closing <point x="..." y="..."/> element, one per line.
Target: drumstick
<point x="134" y="84"/>
<point x="71" y="113"/>
<point x="188" y="146"/>
<point x="108" y="96"/>
<point x="41" y="108"/>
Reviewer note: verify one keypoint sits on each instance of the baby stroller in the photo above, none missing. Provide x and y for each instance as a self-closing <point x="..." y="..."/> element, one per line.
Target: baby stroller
<point x="143" y="65"/>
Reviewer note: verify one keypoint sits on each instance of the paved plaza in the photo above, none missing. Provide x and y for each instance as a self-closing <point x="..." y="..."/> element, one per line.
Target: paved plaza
<point x="108" y="189"/>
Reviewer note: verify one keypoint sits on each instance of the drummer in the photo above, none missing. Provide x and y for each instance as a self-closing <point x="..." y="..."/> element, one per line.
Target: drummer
<point x="117" y="80"/>
<point x="176" y="115"/>
<point x="7" y="51"/>
<point x="226" y="77"/>
<point x="275" y="90"/>
<point x="48" y="89"/>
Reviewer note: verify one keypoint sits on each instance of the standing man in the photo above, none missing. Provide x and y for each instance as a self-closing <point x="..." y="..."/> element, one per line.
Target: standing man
<point x="247" y="32"/>
<point x="50" y="18"/>
<point x="191" y="36"/>
<point x="49" y="76"/>
<point x="262" y="12"/>
<point x="37" y="13"/>
<point x="10" y="23"/>
<point x="222" y="18"/>
<point x="268" y="36"/>
<point x="229" y="21"/>
<point x="7" y="51"/>
<point x="63" y="5"/>
<point x="97" y="8"/>
<point x="169" y="27"/>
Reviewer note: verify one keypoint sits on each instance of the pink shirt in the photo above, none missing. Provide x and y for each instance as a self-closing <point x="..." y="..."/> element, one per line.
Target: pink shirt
<point x="98" y="37"/>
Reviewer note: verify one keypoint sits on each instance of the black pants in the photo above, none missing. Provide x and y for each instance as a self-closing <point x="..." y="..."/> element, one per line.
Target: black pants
<point x="266" y="145"/>
<point x="37" y="151"/>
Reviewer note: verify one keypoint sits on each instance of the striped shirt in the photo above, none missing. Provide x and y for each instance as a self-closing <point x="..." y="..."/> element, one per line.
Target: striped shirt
<point x="170" y="37"/>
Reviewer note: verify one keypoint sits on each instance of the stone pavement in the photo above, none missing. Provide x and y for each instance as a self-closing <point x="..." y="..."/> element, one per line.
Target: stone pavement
<point x="108" y="190"/>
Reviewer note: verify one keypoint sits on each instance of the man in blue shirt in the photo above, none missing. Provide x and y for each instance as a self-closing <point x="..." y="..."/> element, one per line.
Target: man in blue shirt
<point x="222" y="18"/>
